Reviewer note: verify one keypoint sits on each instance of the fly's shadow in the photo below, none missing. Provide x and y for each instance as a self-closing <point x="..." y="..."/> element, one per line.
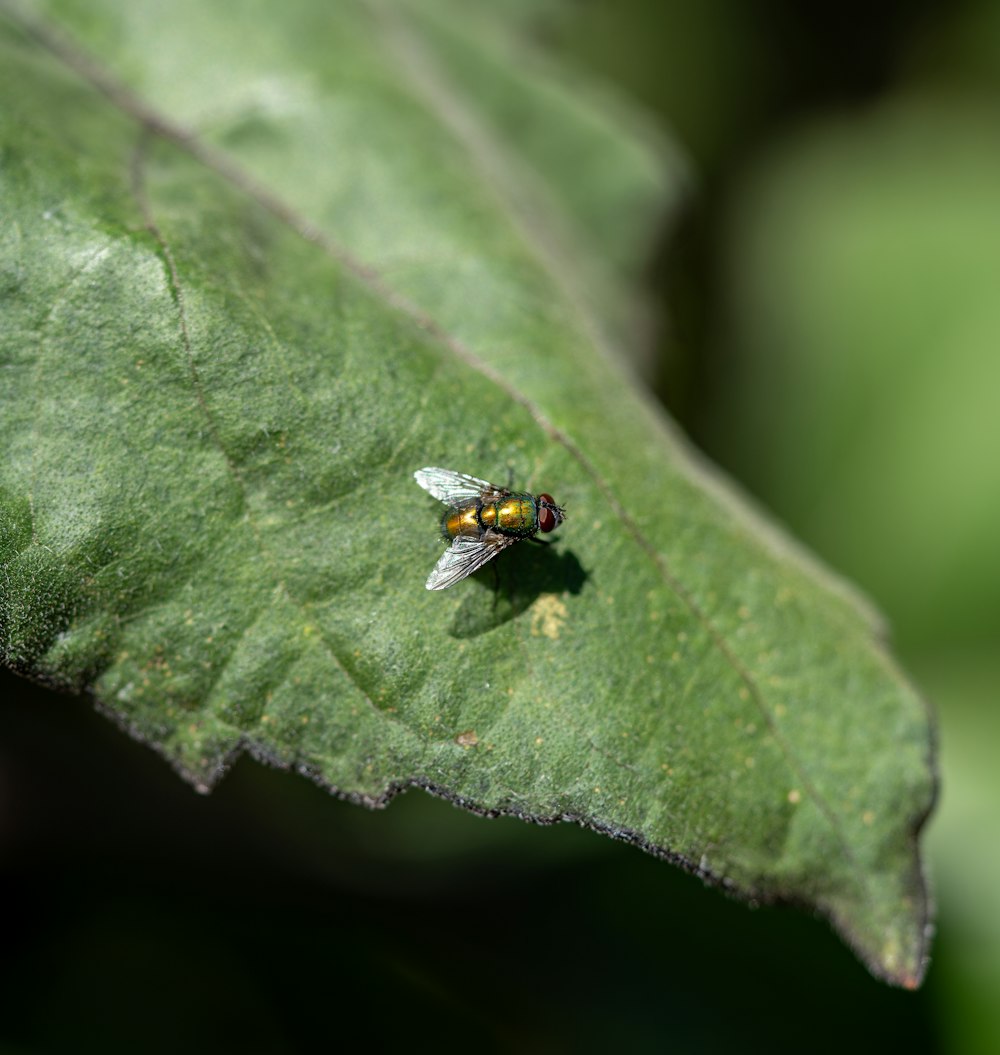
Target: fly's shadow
<point x="508" y="586"/>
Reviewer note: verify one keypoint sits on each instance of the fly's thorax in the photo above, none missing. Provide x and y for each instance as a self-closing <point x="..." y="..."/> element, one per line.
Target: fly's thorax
<point x="515" y="515"/>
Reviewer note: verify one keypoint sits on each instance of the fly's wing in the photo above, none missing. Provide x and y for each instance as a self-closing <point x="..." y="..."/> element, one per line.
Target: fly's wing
<point x="454" y="489"/>
<point x="466" y="555"/>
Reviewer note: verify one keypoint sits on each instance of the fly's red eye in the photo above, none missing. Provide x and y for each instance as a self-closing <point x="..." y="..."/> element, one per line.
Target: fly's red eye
<point x="546" y="518"/>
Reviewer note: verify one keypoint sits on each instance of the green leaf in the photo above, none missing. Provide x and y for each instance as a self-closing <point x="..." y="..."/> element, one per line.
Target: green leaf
<point x="253" y="277"/>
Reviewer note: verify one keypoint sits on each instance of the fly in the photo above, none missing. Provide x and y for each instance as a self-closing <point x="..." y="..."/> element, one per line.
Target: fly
<point x="482" y="520"/>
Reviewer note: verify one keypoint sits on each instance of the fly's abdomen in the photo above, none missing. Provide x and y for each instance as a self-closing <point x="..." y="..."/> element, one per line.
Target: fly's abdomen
<point x="462" y="522"/>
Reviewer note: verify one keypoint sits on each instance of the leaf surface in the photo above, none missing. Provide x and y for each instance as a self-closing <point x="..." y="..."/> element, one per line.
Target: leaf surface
<point x="253" y="277"/>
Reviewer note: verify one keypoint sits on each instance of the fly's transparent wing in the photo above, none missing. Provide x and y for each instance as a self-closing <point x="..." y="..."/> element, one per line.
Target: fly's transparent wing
<point x="455" y="489"/>
<point x="466" y="555"/>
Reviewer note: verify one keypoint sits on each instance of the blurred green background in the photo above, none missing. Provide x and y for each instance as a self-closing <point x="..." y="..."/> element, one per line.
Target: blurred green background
<point x="830" y="304"/>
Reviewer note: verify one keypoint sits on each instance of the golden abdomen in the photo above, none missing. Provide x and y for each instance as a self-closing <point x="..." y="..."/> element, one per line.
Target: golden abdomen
<point x="462" y="522"/>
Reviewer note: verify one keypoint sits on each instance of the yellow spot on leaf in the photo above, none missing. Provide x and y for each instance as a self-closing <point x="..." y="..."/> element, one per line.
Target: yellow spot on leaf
<point x="547" y="616"/>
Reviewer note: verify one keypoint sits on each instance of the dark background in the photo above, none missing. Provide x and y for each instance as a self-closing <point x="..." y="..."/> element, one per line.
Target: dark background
<point x="839" y="386"/>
